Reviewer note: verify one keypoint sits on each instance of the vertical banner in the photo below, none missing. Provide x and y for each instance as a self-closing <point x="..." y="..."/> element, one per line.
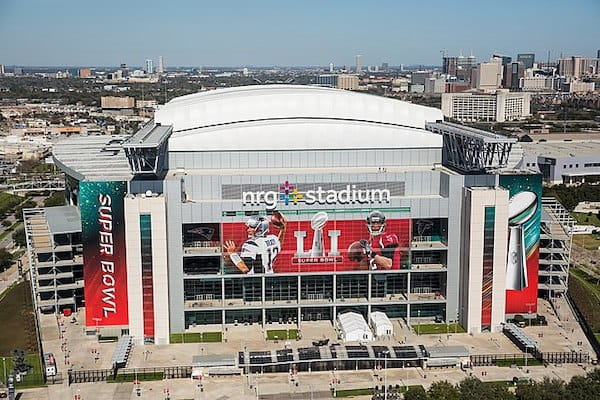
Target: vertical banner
<point x="103" y="236"/>
<point x="522" y="260"/>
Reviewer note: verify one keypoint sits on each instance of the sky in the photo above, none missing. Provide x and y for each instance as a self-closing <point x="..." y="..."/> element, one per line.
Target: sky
<point x="290" y="33"/>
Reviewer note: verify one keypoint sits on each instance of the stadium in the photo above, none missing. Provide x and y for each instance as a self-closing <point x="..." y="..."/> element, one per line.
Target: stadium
<point x="291" y="204"/>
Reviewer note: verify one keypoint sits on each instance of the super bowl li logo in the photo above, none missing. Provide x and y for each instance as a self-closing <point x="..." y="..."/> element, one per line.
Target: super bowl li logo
<point x="317" y="254"/>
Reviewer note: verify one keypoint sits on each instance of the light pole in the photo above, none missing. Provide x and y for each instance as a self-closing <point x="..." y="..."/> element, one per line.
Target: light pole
<point x="418" y="322"/>
<point x="4" y="377"/>
<point x="386" y="353"/>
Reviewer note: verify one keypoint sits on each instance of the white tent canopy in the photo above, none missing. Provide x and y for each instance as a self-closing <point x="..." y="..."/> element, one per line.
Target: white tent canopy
<point x="381" y="324"/>
<point x="354" y="328"/>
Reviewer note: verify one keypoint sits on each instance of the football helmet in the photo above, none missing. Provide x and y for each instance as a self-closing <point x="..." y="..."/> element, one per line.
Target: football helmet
<point x="376" y="217"/>
<point x="259" y="224"/>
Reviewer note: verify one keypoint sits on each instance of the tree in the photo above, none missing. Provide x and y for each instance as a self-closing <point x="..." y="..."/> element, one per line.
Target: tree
<point x="19" y="237"/>
<point x="548" y="389"/>
<point x="443" y="391"/>
<point x="5" y="259"/>
<point x="19" y="210"/>
<point x="416" y="393"/>
<point x="56" y="199"/>
<point x="6" y="223"/>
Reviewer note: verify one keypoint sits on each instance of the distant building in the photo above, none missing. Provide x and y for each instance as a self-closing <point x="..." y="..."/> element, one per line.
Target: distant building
<point x="487" y="76"/>
<point x="146" y="104"/>
<point x="1" y="69"/>
<point x="537" y="83"/>
<point x="572" y="162"/>
<point x="577" y="67"/>
<point x="528" y="59"/>
<point x="457" y="87"/>
<point x="513" y="72"/>
<point x="348" y="82"/>
<point x="85" y="73"/>
<point x="116" y="103"/>
<point x="465" y="67"/>
<point x="358" y="67"/>
<point x="490" y="107"/>
<point x="18" y="71"/>
<point x="386" y="66"/>
<point x="328" y="80"/>
<point x="504" y="59"/>
<point x="449" y="65"/>
<point x="575" y="86"/>
<point x="419" y="77"/>
<point x="149" y="67"/>
<point x="435" y="85"/>
<point x="161" y="65"/>
<point x="331" y="67"/>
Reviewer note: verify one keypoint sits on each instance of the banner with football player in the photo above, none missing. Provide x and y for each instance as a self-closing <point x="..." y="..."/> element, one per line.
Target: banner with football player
<point x="321" y="243"/>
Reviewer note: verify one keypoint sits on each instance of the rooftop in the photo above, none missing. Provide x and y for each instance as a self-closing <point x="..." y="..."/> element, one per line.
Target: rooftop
<point x="562" y="149"/>
<point x="93" y="158"/>
<point x="63" y="219"/>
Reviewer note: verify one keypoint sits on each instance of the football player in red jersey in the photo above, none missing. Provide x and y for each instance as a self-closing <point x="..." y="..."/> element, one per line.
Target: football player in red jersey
<point x="382" y="248"/>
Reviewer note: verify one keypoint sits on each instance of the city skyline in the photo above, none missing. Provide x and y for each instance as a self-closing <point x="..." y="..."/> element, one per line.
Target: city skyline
<point x="299" y="34"/>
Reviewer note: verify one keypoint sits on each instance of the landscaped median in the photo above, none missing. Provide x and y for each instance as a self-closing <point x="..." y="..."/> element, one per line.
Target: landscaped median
<point x="437" y="329"/>
<point x="197" y="337"/>
<point x="282" y="334"/>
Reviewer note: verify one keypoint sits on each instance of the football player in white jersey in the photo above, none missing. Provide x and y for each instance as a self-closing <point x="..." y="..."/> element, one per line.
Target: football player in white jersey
<point x="259" y="251"/>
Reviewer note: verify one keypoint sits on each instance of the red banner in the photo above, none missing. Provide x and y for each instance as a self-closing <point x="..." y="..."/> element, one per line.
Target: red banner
<point x="319" y="244"/>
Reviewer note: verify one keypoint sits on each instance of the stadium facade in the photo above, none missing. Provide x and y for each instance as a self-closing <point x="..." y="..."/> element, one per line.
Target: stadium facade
<point x="293" y="204"/>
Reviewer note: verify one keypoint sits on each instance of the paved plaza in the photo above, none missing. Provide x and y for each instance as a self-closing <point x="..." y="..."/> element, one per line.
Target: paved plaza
<point x="66" y="338"/>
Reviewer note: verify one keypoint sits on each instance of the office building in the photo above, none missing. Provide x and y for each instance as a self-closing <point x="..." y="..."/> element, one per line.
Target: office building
<point x="449" y="65"/>
<point x="358" y="68"/>
<point x="1" y="69"/>
<point x="578" y="67"/>
<point x="487" y="76"/>
<point x="347" y="82"/>
<point x="309" y="172"/>
<point x="161" y="65"/>
<point x="497" y="107"/>
<point x="528" y="59"/>
<point x="328" y="80"/>
<point x="116" y="103"/>
<point x="577" y="86"/>
<point x="513" y="72"/>
<point x="330" y="68"/>
<point x="504" y="60"/>
<point x="149" y="67"/>
<point x="85" y="73"/>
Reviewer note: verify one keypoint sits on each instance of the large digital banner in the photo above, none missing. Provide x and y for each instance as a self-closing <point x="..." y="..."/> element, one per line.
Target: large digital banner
<point x="318" y="243"/>
<point x="525" y="210"/>
<point x="104" y="269"/>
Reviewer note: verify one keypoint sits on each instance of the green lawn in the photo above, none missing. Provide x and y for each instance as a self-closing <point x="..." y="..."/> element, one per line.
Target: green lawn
<point x="588" y="281"/>
<point x="584" y="219"/>
<point x="368" y="391"/>
<point x="282" y="334"/>
<point x="519" y="362"/>
<point x="34" y="377"/>
<point x="437" y="329"/>
<point x="196" y="337"/>
<point x="590" y="242"/>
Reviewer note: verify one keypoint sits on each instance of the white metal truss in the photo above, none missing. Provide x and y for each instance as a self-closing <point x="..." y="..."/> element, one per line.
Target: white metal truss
<point x="472" y="150"/>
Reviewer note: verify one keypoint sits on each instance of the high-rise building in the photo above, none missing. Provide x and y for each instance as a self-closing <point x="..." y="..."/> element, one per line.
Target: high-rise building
<point x="450" y="65"/>
<point x="576" y="67"/>
<point x="465" y="67"/>
<point x="358" y="63"/>
<point x="1" y="69"/>
<point x="513" y="72"/>
<point x="161" y="65"/>
<point x="527" y="59"/>
<point x="385" y="66"/>
<point x="331" y="67"/>
<point x="18" y="71"/>
<point x="491" y="107"/>
<point x="487" y="76"/>
<point x="149" y="67"/>
<point x="505" y="59"/>
<point x="598" y="54"/>
<point x="348" y="82"/>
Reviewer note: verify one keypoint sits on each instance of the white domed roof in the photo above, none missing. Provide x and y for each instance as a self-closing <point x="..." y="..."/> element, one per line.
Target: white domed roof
<point x="294" y="117"/>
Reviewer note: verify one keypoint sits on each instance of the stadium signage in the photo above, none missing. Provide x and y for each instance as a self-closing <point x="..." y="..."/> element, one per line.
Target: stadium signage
<point x="290" y="194"/>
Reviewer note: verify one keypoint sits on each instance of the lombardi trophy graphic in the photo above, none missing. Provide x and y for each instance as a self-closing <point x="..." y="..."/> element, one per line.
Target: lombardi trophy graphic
<point x="317" y="223"/>
<point x="521" y="208"/>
